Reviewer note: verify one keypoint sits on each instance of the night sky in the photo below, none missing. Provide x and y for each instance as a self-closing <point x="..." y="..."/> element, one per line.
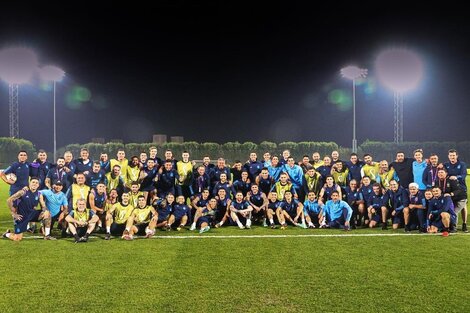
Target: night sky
<point x="218" y="72"/>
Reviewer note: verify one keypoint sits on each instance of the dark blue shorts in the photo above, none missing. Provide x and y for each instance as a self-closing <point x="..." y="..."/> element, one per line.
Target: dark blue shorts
<point x="22" y="226"/>
<point x="204" y="219"/>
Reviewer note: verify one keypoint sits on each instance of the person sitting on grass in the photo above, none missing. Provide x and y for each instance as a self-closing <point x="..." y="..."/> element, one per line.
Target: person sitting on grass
<point x="336" y="213"/>
<point x="259" y="203"/>
<point x="291" y="210"/>
<point x="81" y="221"/>
<point x="204" y="217"/>
<point x="240" y="211"/>
<point x="223" y="208"/>
<point x="440" y="212"/>
<point x="180" y="214"/>
<point x="143" y="220"/>
<point x="22" y="205"/>
<point x="164" y="207"/>
<point x="273" y="204"/>
<point x="312" y="210"/>
<point x="117" y="216"/>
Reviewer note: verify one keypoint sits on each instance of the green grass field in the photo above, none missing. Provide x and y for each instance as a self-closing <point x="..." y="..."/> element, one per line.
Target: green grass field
<point x="293" y="273"/>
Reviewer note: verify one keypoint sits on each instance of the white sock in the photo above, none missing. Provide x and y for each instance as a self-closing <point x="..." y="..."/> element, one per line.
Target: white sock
<point x="193" y="225"/>
<point x="47" y="231"/>
<point x="271" y="220"/>
<point x="108" y="229"/>
<point x="8" y="235"/>
<point x="221" y="223"/>
<point x="239" y="223"/>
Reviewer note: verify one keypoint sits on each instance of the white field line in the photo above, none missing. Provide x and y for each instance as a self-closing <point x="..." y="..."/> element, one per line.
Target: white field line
<point x="273" y="236"/>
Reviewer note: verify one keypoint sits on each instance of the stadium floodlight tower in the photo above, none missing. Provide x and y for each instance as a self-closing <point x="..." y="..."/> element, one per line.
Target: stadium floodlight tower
<point x="54" y="74"/>
<point x="353" y="72"/>
<point x="400" y="70"/>
<point x="17" y="66"/>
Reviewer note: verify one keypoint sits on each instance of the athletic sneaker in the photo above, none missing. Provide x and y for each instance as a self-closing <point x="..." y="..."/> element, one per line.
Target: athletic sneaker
<point x="445" y="234"/>
<point x="168" y="227"/>
<point x="5" y="233"/>
<point x="283" y="226"/>
<point x="107" y="237"/>
<point x="204" y="229"/>
<point x="407" y="229"/>
<point x="193" y="227"/>
<point x="32" y="229"/>
<point x="384" y="226"/>
<point x="347" y="228"/>
<point x="273" y="226"/>
<point x="84" y="239"/>
<point x="311" y="226"/>
<point x="464" y="228"/>
<point x="241" y="227"/>
<point x="49" y="237"/>
<point x="248" y="224"/>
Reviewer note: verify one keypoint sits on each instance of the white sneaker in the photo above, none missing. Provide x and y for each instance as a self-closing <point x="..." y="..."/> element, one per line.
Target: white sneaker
<point x="248" y="223"/>
<point x="193" y="227"/>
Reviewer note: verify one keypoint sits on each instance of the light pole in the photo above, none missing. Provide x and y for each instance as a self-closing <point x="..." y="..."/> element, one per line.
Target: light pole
<point x="400" y="70"/>
<point x="17" y="65"/>
<point x="353" y="73"/>
<point x="54" y="74"/>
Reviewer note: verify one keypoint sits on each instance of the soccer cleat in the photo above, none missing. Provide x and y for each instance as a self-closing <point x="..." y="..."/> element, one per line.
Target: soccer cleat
<point x="5" y="234"/>
<point x="273" y="226"/>
<point x="311" y="226"/>
<point x="241" y="227"/>
<point x="283" y="226"/>
<point x="49" y="237"/>
<point x="204" y="229"/>
<point x="384" y="226"/>
<point x="464" y="228"/>
<point x="168" y="227"/>
<point x="445" y="234"/>
<point x="347" y="228"/>
<point x="248" y="224"/>
<point x="84" y="239"/>
<point x="193" y="227"/>
<point x="107" y="236"/>
<point x="407" y="229"/>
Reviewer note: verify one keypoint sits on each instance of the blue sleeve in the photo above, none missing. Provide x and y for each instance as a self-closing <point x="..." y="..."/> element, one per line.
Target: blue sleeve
<point x="350" y="211"/>
<point x="71" y="213"/>
<point x="463" y="172"/>
<point x="9" y="170"/>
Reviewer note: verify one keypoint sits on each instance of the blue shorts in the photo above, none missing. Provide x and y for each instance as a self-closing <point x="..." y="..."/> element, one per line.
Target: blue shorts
<point x="22" y="226"/>
<point x="314" y="217"/>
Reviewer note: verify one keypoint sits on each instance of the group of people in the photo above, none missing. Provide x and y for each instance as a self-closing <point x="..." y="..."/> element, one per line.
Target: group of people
<point x="127" y="197"/>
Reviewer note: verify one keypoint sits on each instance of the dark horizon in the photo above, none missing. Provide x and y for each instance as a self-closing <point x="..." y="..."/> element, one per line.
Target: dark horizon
<point x="218" y="73"/>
